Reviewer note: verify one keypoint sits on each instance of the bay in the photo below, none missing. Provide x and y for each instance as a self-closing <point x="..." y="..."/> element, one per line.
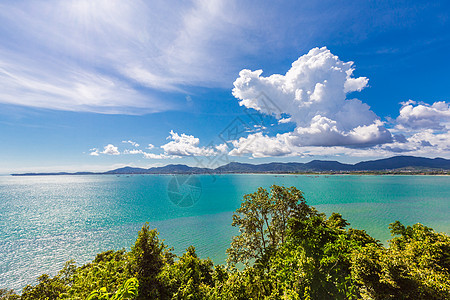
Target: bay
<point x="47" y="220"/>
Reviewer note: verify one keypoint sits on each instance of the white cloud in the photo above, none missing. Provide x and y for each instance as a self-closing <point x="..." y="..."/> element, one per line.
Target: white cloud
<point x="158" y="156"/>
<point x="68" y="88"/>
<point x="94" y="152"/>
<point x="284" y="120"/>
<point x="131" y="142"/>
<point x="259" y="145"/>
<point x="422" y="130"/>
<point x="110" y="149"/>
<point x="313" y="92"/>
<point x="222" y="148"/>
<point x="185" y="145"/>
<point x="133" y="151"/>
<point x="426" y="143"/>
<point x="147" y="154"/>
<point x="180" y="145"/>
<point x="110" y="56"/>
<point x="424" y="116"/>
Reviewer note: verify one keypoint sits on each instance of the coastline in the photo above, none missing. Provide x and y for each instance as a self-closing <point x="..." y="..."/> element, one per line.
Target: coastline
<point x="365" y="173"/>
<point x="397" y="165"/>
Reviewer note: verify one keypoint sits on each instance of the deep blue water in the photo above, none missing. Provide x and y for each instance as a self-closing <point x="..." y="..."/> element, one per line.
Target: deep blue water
<point x="47" y="220"/>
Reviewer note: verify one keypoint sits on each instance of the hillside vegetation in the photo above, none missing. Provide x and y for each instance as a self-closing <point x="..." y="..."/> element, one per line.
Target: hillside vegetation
<point x="285" y="249"/>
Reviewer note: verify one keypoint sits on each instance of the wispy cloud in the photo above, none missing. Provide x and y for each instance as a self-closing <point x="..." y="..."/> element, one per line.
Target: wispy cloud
<point x="134" y="144"/>
<point x="111" y="56"/>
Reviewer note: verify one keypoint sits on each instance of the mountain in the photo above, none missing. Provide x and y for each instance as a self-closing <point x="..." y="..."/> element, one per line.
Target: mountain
<point x="127" y="170"/>
<point x="235" y="167"/>
<point x="326" y="165"/>
<point x="392" y="163"/>
<point x="175" y="169"/>
<point x="169" y="169"/>
<point x="398" y="162"/>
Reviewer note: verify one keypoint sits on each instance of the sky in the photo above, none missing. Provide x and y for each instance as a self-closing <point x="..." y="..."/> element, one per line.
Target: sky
<point x="91" y="85"/>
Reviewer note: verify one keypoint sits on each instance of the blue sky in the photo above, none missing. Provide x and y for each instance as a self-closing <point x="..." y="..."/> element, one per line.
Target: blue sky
<point x="94" y="85"/>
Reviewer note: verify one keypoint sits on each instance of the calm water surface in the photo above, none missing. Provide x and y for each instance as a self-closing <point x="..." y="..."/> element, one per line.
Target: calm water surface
<point x="47" y="220"/>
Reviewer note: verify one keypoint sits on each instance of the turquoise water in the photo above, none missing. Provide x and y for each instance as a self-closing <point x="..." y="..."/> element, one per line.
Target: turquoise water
<point x="47" y="220"/>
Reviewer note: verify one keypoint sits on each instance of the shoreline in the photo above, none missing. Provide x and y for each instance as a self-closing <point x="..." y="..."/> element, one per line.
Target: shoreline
<point x="375" y="173"/>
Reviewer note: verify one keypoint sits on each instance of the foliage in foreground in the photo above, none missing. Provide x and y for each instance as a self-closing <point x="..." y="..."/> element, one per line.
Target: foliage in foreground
<point x="285" y="250"/>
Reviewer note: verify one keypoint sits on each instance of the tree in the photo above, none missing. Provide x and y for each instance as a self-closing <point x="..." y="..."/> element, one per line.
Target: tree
<point x="188" y="278"/>
<point x="315" y="260"/>
<point x="147" y="258"/>
<point x="129" y="290"/>
<point x="415" y="266"/>
<point x="262" y="221"/>
<point x="6" y="294"/>
<point x="51" y="288"/>
<point x="109" y="270"/>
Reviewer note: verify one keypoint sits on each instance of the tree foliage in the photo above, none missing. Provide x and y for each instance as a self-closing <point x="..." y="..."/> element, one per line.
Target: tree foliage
<point x="147" y="258"/>
<point x="262" y="220"/>
<point x="129" y="290"/>
<point x="415" y="266"/>
<point x="188" y="278"/>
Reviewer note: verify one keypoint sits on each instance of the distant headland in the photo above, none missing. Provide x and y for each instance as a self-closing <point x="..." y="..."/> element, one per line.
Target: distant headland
<point x="392" y="165"/>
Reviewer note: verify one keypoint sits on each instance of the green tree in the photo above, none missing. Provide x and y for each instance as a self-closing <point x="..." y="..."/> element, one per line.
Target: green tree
<point x="6" y="294"/>
<point x="147" y="258"/>
<point x="415" y="266"/>
<point x="262" y="221"/>
<point x="129" y="290"/>
<point x="109" y="270"/>
<point x="315" y="261"/>
<point x="51" y="288"/>
<point x="190" y="277"/>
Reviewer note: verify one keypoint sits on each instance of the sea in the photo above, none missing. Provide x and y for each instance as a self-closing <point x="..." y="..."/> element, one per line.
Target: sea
<point x="48" y="220"/>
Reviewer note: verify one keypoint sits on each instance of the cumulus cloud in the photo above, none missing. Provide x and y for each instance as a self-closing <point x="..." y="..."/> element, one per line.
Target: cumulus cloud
<point x="94" y="152"/>
<point x="424" y="142"/>
<point x="424" y="116"/>
<point x="421" y="129"/>
<point x="222" y="148"/>
<point x="313" y="93"/>
<point x="110" y="149"/>
<point x="185" y="145"/>
<point x="259" y="145"/>
<point x="180" y="145"/>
